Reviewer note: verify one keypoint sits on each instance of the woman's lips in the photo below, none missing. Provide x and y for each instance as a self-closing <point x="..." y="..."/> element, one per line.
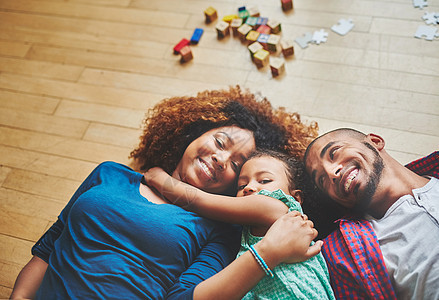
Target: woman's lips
<point x="350" y="178"/>
<point x="207" y="170"/>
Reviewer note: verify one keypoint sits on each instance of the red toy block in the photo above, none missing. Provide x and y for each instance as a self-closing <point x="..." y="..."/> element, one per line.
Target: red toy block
<point x="287" y="5"/>
<point x="181" y="44"/>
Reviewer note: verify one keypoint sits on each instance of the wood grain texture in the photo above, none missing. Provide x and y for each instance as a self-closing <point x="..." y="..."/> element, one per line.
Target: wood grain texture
<point x="77" y="76"/>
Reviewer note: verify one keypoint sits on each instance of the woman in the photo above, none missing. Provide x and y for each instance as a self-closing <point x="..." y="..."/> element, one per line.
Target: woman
<point x="118" y="238"/>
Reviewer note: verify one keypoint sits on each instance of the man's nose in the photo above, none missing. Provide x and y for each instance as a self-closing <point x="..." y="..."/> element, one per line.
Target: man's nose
<point x="334" y="171"/>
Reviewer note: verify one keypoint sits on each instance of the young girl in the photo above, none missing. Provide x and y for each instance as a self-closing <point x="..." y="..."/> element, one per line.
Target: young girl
<point x="265" y="178"/>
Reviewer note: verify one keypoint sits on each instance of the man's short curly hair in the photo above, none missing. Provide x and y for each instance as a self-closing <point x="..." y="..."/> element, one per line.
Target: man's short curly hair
<point x="172" y="124"/>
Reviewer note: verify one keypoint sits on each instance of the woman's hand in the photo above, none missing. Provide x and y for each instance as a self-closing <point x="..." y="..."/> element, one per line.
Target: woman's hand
<point x="288" y="240"/>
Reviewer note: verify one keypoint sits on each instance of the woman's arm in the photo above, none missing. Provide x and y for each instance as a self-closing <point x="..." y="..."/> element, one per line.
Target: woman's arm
<point x="29" y="279"/>
<point x="253" y="210"/>
<point x="287" y="240"/>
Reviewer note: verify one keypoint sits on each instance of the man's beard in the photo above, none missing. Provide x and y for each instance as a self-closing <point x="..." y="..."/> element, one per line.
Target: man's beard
<point x="365" y="197"/>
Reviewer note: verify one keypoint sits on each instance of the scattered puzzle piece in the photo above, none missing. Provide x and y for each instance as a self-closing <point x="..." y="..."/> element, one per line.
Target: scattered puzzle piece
<point x="420" y="3"/>
<point x="343" y="26"/>
<point x="430" y="18"/>
<point x="304" y="40"/>
<point x="320" y="36"/>
<point x="428" y="32"/>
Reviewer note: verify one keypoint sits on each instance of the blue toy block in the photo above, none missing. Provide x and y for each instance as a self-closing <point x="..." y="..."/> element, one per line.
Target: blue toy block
<point x="196" y="36"/>
<point x="241" y="8"/>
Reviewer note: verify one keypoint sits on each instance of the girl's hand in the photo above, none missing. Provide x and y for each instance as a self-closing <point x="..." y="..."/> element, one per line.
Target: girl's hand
<point x="155" y="176"/>
<point x="288" y="240"/>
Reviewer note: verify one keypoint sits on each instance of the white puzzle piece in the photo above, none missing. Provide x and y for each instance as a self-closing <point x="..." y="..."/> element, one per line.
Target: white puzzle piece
<point x="420" y="3"/>
<point x="429" y="32"/>
<point x="304" y="40"/>
<point x="343" y="26"/>
<point x="320" y="36"/>
<point x="430" y="18"/>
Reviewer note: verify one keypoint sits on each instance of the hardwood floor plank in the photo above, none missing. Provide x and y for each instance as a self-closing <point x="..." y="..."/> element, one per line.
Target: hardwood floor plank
<point x="26" y="102"/>
<point x="63" y="146"/>
<point x="42" y="123"/>
<point x="17" y="49"/>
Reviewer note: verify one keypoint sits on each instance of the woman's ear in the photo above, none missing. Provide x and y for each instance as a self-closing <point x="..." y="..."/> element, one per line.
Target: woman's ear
<point x="298" y="195"/>
<point x="376" y="140"/>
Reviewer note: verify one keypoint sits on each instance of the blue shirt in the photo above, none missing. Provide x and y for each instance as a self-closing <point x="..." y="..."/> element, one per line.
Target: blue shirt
<point x="110" y="242"/>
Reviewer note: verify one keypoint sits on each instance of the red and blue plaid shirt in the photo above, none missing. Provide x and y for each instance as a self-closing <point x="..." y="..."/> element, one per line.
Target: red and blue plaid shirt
<point x="354" y="257"/>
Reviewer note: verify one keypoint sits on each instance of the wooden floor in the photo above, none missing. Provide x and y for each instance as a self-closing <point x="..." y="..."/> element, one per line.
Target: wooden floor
<point x="77" y="76"/>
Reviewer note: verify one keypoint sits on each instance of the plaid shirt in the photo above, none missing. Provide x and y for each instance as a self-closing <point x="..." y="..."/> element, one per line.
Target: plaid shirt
<point x="354" y="257"/>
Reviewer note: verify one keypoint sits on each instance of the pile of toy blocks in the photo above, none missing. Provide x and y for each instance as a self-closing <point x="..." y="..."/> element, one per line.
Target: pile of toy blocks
<point x="261" y="35"/>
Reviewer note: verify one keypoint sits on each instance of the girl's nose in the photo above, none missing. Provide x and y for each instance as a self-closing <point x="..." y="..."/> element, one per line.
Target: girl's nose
<point x="248" y="190"/>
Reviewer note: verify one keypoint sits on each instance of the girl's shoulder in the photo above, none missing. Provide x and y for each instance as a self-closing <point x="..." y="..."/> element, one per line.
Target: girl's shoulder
<point x="288" y="200"/>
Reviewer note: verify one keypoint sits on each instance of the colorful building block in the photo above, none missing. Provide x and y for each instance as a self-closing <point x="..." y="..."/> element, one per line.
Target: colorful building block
<point x="261" y="21"/>
<point x="229" y="18"/>
<point x="261" y="58"/>
<point x="263" y="40"/>
<point x="277" y="66"/>
<point x="186" y="54"/>
<point x="251" y="21"/>
<point x="211" y="14"/>
<point x="287" y="47"/>
<point x="242" y="8"/>
<point x="254" y="11"/>
<point x="181" y="44"/>
<point x="196" y="36"/>
<point x="253" y="48"/>
<point x="243" y="31"/>
<point x="264" y="29"/>
<point x="252" y="36"/>
<point x="287" y="5"/>
<point x="223" y="29"/>
<point x="273" y="43"/>
<point x="234" y="25"/>
<point x="244" y="15"/>
<point x="275" y="26"/>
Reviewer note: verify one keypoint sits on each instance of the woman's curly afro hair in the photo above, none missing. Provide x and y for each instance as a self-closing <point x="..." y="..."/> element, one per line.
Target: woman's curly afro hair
<point x="172" y="124"/>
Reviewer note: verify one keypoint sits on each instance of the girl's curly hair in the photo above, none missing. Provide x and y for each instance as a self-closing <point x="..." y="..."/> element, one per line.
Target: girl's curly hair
<point x="172" y="124"/>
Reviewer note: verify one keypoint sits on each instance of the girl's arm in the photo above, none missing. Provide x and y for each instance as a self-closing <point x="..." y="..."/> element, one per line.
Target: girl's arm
<point x="29" y="279"/>
<point x="287" y="240"/>
<point x="253" y="210"/>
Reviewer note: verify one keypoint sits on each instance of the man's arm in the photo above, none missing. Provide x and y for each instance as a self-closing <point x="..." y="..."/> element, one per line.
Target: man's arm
<point x="29" y="279"/>
<point x="253" y="210"/>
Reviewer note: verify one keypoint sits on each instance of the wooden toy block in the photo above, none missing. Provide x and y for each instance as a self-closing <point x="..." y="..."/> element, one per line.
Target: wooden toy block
<point x="223" y="29"/>
<point x="287" y="5"/>
<point x="261" y="21"/>
<point x="287" y="47"/>
<point x="263" y="40"/>
<point x="252" y="36"/>
<point x="196" y="36"/>
<point x="251" y="21"/>
<point x="273" y="43"/>
<point x="181" y="44"/>
<point x="254" y="11"/>
<point x="264" y="29"/>
<point x="186" y="54"/>
<point x="211" y="14"/>
<point x="253" y="48"/>
<point x="261" y="58"/>
<point x="229" y="18"/>
<point x="242" y="8"/>
<point x="235" y="24"/>
<point x="274" y="25"/>
<point x="277" y="66"/>
<point x="244" y="15"/>
<point x="243" y="31"/>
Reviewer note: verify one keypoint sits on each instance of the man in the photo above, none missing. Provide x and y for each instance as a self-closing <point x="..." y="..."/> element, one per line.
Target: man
<point x="388" y="248"/>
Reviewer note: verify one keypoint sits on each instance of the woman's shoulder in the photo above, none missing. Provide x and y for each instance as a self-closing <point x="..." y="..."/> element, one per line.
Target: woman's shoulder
<point x="111" y="167"/>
